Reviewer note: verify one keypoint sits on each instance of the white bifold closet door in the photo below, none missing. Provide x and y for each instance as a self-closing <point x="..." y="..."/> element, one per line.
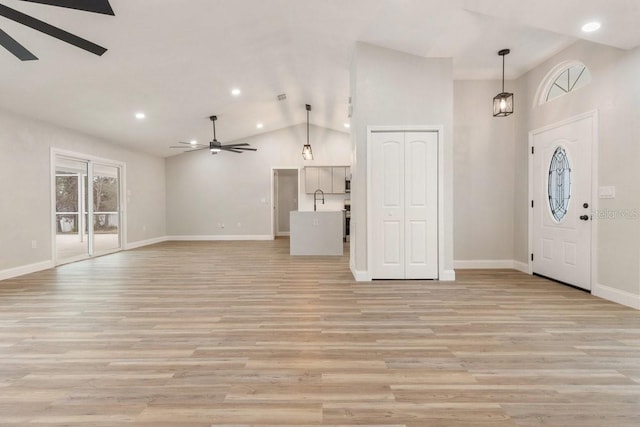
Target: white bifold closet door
<point x="404" y="201"/>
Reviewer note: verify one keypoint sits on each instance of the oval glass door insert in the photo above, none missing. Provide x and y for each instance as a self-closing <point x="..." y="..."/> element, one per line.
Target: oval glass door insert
<point x="559" y="184"/>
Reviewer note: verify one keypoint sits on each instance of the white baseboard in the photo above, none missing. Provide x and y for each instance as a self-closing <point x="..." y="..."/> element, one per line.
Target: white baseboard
<point x="448" y="276"/>
<point x="221" y="237"/>
<point x="522" y="266"/>
<point x="141" y="243"/>
<point x="360" y="276"/>
<point x="490" y="264"/>
<point x="617" y="296"/>
<point x="25" y="269"/>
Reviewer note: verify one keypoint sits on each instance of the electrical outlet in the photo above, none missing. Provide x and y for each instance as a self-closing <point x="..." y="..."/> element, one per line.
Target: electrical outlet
<point x="316" y="222"/>
<point x="34" y="244"/>
<point x="239" y="225"/>
<point x="144" y="228"/>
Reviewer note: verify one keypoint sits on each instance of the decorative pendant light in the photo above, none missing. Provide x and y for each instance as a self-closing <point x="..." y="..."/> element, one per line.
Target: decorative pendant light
<point x="307" y="154"/>
<point x="503" y="102"/>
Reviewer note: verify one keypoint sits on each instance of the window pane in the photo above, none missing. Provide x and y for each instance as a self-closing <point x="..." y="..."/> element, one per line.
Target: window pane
<point x="106" y="215"/>
<point x="559" y="186"/>
<point x="67" y="193"/>
<point x="568" y="80"/>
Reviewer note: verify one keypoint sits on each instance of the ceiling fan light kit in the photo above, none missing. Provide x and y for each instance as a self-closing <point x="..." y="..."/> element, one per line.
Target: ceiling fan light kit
<point x="214" y="146"/>
<point x="503" y="102"/>
<point x="307" y="153"/>
<point x="19" y="51"/>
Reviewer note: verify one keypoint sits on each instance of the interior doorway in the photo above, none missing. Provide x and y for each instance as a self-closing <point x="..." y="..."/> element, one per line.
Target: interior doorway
<point x="285" y="199"/>
<point x="562" y="177"/>
<point x="87" y="208"/>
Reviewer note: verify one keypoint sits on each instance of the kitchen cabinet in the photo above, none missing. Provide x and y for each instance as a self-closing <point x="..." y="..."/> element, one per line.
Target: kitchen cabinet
<point x="325" y="180"/>
<point x="310" y="180"/>
<point x="329" y="179"/>
<point x="339" y="176"/>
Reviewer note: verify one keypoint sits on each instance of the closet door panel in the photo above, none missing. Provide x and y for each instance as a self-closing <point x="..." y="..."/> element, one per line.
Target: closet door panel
<point x="421" y="205"/>
<point x="387" y="200"/>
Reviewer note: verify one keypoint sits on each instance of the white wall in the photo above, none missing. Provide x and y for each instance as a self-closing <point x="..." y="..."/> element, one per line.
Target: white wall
<point x="394" y="88"/>
<point x="235" y="189"/>
<point x="615" y="94"/>
<point x="484" y="187"/>
<point x="25" y="186"/>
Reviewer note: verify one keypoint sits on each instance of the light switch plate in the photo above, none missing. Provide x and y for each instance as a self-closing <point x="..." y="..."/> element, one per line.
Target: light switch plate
<point x="607" y="192"/>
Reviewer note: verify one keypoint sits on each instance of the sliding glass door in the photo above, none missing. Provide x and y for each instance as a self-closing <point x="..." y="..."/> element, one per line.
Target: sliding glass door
<point x="106" y="208"/>
<point x="72" y="241"/>
<point x="87" y="208"/>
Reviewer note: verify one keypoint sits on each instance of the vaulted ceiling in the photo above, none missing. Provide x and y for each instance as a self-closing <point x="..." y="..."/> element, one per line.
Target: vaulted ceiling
<point x="178" y="60"/>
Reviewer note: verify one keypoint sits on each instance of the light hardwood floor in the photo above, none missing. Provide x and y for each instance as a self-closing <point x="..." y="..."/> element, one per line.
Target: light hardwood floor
<point x="239" y="334"/>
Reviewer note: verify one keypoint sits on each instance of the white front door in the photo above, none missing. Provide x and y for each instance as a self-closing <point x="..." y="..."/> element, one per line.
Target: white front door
<point x="562" y="188"/>
<point x="404" y="184"/>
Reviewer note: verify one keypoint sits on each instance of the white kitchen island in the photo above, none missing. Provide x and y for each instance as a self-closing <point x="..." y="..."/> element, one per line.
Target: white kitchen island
<point x="316" y="233"/>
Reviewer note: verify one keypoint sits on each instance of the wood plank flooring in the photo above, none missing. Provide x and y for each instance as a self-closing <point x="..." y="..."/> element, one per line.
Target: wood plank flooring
<point x="241" y="334"/>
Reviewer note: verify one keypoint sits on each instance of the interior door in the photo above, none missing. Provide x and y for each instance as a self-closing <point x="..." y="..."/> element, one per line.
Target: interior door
<point x="562" y="191"/>
<point x="404" y="199"/>
<point x="421" y="205"/>
<point x="387" y="198"/>
<point x="286" y="199"/>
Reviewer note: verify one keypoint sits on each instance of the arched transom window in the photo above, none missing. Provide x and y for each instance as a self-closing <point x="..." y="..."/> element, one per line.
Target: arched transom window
<point x="564" y="79"/>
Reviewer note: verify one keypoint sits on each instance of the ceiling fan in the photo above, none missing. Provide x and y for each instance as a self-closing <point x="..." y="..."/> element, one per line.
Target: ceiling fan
<point x="214" y="146"/>
<point x="22" y="53"/>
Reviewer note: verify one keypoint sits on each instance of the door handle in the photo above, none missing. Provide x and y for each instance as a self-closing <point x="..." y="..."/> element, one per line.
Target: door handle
<point x="584" y="217"/>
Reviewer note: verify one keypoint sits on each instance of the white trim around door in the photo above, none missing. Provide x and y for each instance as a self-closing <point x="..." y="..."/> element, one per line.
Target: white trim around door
<point x="443" y="275"/>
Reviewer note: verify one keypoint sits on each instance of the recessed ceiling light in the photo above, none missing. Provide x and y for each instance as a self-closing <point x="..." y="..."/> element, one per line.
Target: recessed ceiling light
<point x="347" y="125"/>
<point x="193" y="142"/>
<point x="140" y="116"/>
<point x="235" y="92"/>
<point x="260" y="125"/>
<point x="591" y="27"/>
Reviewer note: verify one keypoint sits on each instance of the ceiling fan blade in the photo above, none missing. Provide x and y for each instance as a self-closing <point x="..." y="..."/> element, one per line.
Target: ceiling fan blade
<point x="236" y="145"/>
<point x="245" y="149"/>
<point x="196" y="149"/>
<point x="16" y="48"/>
<point x="95" y="6"/>
<point x="233" y="150"/>
<point x="50" y="30"/>
<point x="188" y="144"/>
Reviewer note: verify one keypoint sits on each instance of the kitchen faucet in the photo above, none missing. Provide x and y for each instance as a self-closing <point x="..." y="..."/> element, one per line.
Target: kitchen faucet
<point x="315" y="194"/>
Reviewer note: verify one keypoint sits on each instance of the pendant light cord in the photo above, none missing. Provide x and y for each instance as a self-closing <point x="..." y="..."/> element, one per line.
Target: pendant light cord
<point x="503" y="73"/>
<point x="307" y="127"/>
